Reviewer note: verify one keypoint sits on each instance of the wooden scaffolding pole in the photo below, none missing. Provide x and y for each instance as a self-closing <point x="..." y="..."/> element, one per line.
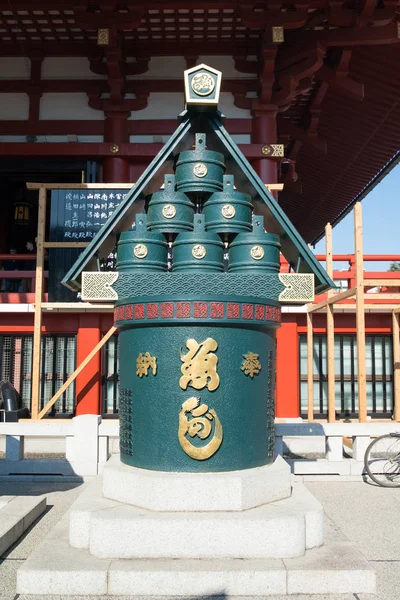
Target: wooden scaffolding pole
<point x="360" y="314"/>
<point x="396" y="365"/>
<point x="78" y="370"/>
<point x="310" y="368"/>
<point x="330" y="329"/>
<point x="37" y="328"/>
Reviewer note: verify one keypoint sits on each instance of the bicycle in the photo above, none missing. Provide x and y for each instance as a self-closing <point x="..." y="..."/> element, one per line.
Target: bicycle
<point x="382" y="460"/>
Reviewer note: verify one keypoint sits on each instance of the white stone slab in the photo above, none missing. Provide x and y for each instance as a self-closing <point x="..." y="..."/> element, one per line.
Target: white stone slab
<point x="264" y="532"/>
<point x="190" y="578"/>
<point x="16" y="516"/>
<point x="303" y="500"/>
<point x="225" y="491"/>
<point x="336" y="568"/>
<point x="90" y="501"/>
<point x="74" y="572"/>
<point x="55" y="567"/>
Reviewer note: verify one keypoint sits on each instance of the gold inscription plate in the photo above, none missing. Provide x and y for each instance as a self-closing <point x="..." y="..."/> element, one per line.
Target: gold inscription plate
<point x="257" y="252"/>
<point x="199" y="369"/>
<point x="200" y="170"/>
<point x="251" y="365"/>
<point x="144" y="362"/>
<point x="198" y="251"/>
<point x="169" y="211"/>
<point x="203" y="84"/>
<point x="140" y="251"/>
<point x="199" y="425"/>
<point x="228" y="211"/>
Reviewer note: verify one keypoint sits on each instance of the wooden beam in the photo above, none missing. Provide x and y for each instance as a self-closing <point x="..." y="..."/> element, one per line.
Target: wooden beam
<point x="396" y="365"/>
<point x="310" y="369"/>
<point x="78" y="370"/>
<point x="385" y="282"/>
<point x="360" y="314"/>
<point x="65" y="244"/>
<point x="330" y="329"/>
<point x="37" y="327"/>
<point x="381" y="296"/>
<point x="333" y="299"/>
<point x="369" y="307"/>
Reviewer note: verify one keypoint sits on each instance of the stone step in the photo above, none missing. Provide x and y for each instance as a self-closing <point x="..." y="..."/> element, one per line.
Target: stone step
<point x="16" y="516"/>
<point x="113" y="530"/>
<point x="55" y="568"/>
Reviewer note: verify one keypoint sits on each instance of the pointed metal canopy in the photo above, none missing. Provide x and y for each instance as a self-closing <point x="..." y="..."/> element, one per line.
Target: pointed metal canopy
<point x="293" y="247"/>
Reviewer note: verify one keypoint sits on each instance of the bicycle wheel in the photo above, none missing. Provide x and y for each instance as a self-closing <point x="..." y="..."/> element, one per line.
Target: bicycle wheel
<point x="382" y="460"/>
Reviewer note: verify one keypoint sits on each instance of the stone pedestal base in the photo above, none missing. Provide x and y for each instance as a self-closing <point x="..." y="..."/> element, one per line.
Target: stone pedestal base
<point x="104" y="546"/>
<point x="224" y="491"/>
<point x="281" y="529"/>
<point x="56" y="568"/>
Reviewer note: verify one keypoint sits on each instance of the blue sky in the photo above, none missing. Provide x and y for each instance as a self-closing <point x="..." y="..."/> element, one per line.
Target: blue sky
<point x="381" y="224"/>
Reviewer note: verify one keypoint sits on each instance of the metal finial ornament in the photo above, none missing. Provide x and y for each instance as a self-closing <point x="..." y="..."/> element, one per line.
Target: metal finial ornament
<point x="202" y="87"/>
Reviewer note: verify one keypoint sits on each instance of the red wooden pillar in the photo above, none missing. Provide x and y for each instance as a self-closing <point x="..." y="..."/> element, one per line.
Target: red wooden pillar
<point x="88" y="383"/>
<point x="263" y="131"/>
<point x="287" y="369"/>
<point x="116" y="168"/>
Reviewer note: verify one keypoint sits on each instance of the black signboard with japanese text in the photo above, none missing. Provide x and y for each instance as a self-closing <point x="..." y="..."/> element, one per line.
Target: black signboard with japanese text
<point x="76" y="216"/>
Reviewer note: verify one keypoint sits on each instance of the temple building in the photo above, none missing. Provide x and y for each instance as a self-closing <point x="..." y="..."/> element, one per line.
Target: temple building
<point x="90" y="92"/>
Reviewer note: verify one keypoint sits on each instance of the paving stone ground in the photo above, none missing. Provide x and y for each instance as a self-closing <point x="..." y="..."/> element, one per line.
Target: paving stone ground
<point x="367" y="515"/>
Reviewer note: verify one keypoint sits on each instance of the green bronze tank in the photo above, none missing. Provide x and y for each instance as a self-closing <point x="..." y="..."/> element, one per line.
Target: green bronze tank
<point x="255" y="251"/>
<point x="141" y="250"/>
<point x="170" y="211"/>
<point x="200" y="171"/>
<point x="228" y="212"/>
<point x="199" y="250"/>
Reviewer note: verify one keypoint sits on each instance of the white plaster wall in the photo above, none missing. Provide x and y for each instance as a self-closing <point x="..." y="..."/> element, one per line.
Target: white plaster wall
<point x="168" y="106"/>
<point x="163" y="67"/>
<point x="227" y="107"/>
<point x="72" y="67"/>
<point x="161" y="106"/>
<point x="15" y="68"/>
<point x="14" y="107"/>
<point x="241" y="138"/>
<point x="226" y="65"/>
<point x="68" y="107"/>
<point x="148" y="139"/>
<point x="12" y="138"/>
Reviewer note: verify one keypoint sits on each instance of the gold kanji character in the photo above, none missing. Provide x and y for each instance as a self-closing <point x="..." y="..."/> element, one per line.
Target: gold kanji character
<point x="251" y="366"/>
<point x="144" y="362"/>
<point x="199" y="425"/>
<point x="199" y="369"/>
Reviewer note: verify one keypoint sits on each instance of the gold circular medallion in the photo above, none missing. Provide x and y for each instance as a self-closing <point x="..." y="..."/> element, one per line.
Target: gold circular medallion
<point x="140" y="251"/>
<point x="257" y="252"/>
<point x="198" y="251"/>
<point x="228" y="211"/>
<point x="169" y="211"/>
<point x="203" y="84"/>
<point x="266" y="150"/>
<point x="200" y="170"/>
<point x="114" y="148"/>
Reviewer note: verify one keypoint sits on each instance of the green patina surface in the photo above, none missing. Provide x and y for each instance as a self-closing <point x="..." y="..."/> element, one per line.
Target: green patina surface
<point x="244" y="405"/>
<point x="258" y="285"/>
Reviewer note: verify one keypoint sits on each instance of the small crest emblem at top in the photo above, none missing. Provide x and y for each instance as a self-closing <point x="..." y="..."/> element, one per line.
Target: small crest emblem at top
<point x="203" y="84"/>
